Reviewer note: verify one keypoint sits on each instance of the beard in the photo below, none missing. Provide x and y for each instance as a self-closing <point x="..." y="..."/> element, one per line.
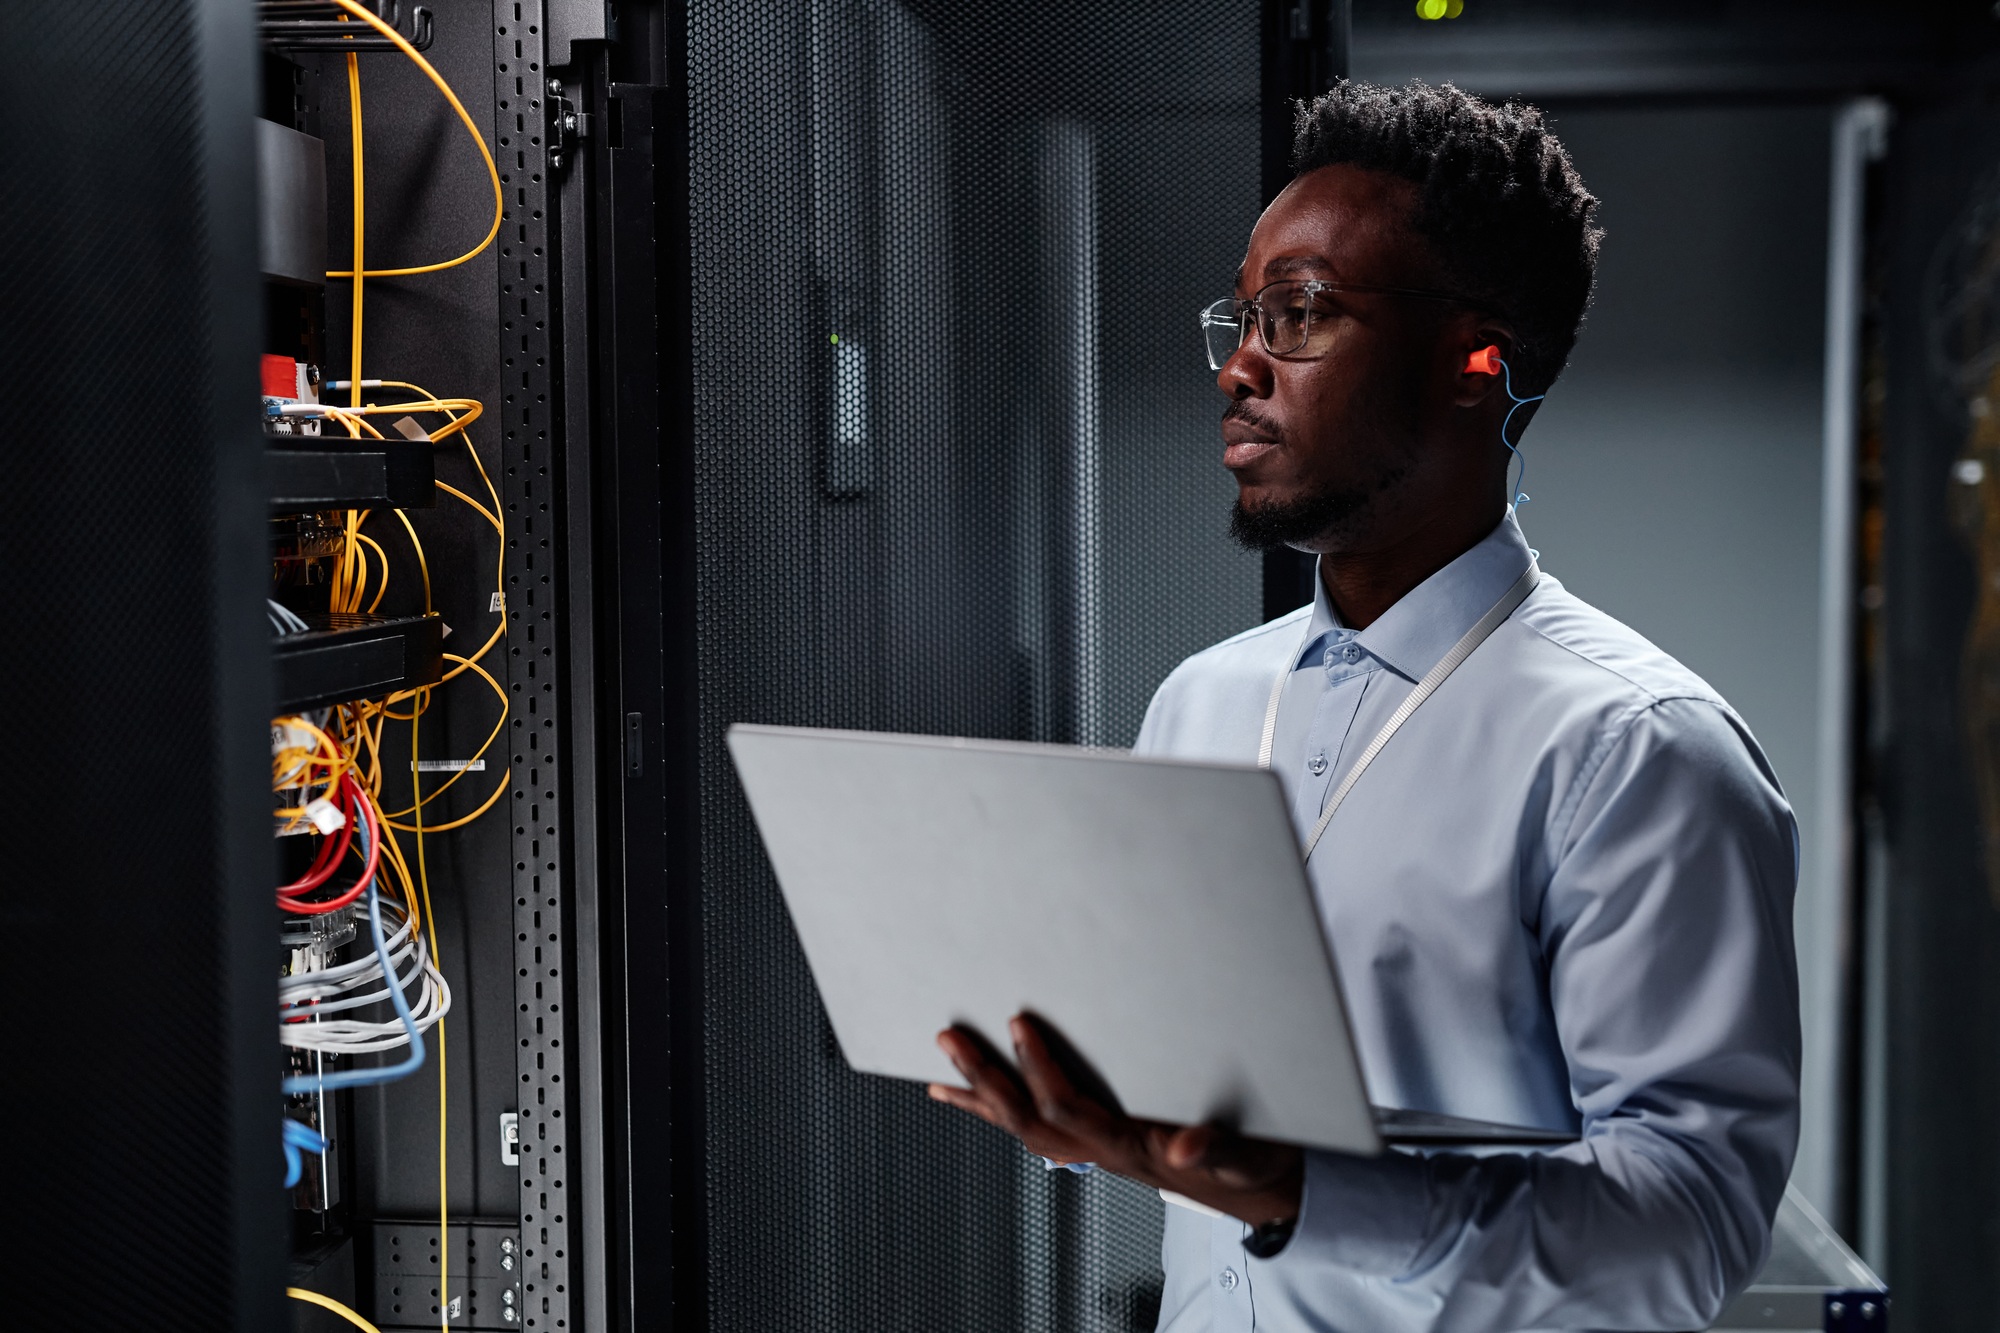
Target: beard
<point x="1324" y="518"/>
<point x="1306" y="522"/>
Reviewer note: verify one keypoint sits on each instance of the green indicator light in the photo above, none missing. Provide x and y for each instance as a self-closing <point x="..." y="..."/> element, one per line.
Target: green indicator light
<point x="833" y="338"/>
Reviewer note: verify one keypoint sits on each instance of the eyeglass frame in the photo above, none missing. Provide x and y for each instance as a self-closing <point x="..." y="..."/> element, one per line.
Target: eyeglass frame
<point x="1313" y="286"/>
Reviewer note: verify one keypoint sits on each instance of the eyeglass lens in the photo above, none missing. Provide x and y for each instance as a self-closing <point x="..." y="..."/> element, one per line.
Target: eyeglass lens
<point x="1284" y="321"/>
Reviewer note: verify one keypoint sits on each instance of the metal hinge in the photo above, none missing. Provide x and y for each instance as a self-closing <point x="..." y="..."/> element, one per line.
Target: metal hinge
<point x="567" y="125"/>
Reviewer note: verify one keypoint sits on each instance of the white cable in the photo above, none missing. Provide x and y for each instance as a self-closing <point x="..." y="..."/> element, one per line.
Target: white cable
<point x="302" y="1025"/>
<point x="284" y="619"/>
<point x="340" y="975"/>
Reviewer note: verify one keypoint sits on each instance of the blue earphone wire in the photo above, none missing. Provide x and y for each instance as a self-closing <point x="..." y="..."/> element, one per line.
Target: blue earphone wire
<point x="1520" y="497"/>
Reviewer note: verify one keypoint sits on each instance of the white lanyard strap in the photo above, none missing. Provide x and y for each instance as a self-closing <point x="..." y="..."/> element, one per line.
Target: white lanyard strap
<point x="1426" y="687"/>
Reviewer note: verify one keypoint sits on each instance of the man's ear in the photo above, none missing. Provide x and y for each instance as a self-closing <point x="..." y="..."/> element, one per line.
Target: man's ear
<point x="1481" y="345"/>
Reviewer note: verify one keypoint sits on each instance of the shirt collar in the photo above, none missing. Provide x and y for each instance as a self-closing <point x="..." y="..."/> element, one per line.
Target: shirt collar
<point x="1414" y="634"/>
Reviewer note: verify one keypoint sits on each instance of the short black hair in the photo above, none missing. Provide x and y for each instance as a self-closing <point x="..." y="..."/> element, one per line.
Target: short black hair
<point x="1498" y="199"/>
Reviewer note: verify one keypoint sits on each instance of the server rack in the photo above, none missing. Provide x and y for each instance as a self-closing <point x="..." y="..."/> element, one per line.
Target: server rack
<point x="528" y="329"/>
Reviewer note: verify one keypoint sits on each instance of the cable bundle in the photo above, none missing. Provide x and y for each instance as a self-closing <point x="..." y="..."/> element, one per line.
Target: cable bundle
<point x="306" y="1002"/>
<point x="350" y="825"/>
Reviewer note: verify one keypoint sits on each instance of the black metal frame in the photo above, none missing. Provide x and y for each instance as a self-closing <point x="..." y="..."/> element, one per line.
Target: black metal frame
<point x="543" y="801"/>
<point x="629" y="507"/>
<point x="316" y="25"/>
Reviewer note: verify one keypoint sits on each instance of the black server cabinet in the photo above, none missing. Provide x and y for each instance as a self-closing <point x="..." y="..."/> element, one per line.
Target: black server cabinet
<point x="135" y="950"/>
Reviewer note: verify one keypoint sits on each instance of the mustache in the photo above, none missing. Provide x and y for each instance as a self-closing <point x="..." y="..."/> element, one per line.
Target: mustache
<point x="1240" y="410"/>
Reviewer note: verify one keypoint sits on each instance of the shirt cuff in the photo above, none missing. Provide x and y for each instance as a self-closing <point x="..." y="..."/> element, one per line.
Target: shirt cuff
<point x="1366" y="1214"/>
<point x="1081" y="1168"/>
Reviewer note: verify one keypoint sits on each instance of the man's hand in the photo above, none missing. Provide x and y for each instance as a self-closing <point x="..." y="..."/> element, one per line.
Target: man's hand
<point x="1251" y="1179"/>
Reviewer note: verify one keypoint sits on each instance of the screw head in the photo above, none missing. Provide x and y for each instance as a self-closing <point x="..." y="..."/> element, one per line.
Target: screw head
<point x="555" y="87"/>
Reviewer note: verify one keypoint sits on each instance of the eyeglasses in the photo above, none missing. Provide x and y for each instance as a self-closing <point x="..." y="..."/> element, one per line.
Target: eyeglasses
<point x="1290" y="317"/>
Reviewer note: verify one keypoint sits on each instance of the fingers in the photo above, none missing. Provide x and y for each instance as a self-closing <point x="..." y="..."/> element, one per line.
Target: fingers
<point x="1041" y="1105"/>
<point x="1230" y="1159"/>
<point x="994" y="1086"/>
<point x="1055" y="1097"/>
<point x="1186" y="1147"/>
<point x="964" y="1101"/>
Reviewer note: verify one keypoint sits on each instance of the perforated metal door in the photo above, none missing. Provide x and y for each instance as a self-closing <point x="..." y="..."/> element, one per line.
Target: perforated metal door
<point x="956" y="472"/>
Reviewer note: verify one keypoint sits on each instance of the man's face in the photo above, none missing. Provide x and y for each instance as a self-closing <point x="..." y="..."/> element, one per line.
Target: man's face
<point x="1324" y="443"/>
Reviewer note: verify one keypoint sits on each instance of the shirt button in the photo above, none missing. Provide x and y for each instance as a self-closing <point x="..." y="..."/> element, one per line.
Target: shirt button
<point x="1352" y="654"/>
<point x="1316" y="765"/>
<point x="1228" y="1279"/>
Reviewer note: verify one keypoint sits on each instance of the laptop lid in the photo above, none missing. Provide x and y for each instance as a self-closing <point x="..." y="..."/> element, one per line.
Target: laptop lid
<point x="1155" y="912"/>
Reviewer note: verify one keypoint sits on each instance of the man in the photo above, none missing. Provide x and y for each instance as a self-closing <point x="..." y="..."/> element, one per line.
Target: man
<point x="1560" y="895"/>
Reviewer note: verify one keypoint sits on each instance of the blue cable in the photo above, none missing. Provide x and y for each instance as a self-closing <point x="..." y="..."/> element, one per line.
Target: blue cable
<point x="1520" y="497"/>
<point x="300" y="1084"/>
<point x="296" y="1137"/>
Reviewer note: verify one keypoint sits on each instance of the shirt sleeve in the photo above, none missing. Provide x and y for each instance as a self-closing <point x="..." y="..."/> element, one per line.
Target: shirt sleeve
<point x="1666" y="933"/>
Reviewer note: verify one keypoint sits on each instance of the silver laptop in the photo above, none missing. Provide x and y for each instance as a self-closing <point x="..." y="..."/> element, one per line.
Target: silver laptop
<point x="1153" y="912"/>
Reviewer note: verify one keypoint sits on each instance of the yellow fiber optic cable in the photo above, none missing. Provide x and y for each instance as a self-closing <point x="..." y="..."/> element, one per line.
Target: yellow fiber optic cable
<point x="477" y="507"/>
<point x="423" y="565"/>
<point x="329" y="1303"/>
<point x="388" y="820"/>
<point x="430" y="928"/>
<point x="493" y="516"/>
<point x="356" y="425"/>
<point x="359" y="271"/>
<point x="356" y="417"/>
<point x="381" y="557"/>
<point x="500" y="563"/>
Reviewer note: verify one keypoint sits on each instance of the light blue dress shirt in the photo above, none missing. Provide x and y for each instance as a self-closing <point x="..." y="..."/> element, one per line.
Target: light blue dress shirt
<point x="1561" y="896"/>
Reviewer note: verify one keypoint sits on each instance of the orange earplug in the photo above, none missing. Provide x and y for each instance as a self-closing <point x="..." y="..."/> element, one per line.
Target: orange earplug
<point x="1485" y="361"/>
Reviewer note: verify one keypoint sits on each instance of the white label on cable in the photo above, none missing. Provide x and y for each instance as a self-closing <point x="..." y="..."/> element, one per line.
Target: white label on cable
<point x="408" y="428"/>
<point x="449" y="765"/>
<point x="325" y="815"/>
<point x="498" y="604"/>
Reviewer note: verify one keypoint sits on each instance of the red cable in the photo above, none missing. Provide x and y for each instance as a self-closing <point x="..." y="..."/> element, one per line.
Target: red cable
<point x="367" y="812"/>
<point x="331" y="851"/>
